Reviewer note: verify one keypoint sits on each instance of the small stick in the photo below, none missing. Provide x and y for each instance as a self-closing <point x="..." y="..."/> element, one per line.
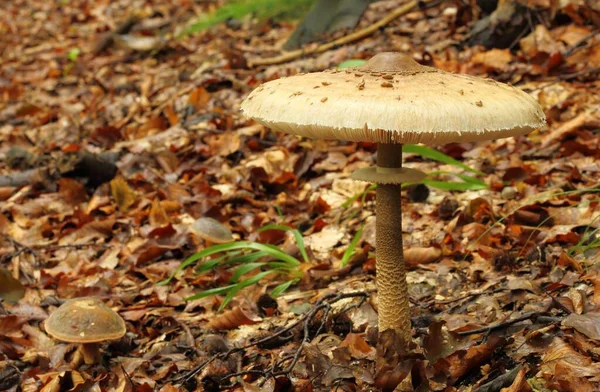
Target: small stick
<point x="504" y="324"/>
<point x="323" y="303"/>
<point x="403" y="9"/>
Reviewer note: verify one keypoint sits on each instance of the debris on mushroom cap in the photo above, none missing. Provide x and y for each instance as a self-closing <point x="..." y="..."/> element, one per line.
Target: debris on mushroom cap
<point x="212" y="230"/>
<point x="85" y="320"/>
<point x="437" y="107"/>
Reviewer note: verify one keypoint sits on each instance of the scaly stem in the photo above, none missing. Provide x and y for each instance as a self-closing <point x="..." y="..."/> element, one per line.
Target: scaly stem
<point x="392" y="290"/>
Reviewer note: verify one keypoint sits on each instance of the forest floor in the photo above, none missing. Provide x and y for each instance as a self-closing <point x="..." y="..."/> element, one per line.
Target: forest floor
<point x="111" y="146"/>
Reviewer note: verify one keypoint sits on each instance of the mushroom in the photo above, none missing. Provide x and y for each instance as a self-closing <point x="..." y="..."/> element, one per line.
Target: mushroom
<point x="212" y="231"/>
<point x="392" y="100"/>
<point x="87" y="321"/>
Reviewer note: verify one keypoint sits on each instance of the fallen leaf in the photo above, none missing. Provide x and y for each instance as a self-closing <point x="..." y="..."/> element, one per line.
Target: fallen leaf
<point x="157" y="216"/>
<point x="416" y="256"/>
<point x="460" y="362"/>
<point x="232" y="319"/>
<point x="560" y="352"/>
<point x="519" y="384"/>
<point x="358" y="346"/>
<point x="570" y="381"/>
<point x="539" y="41"/>
<point x="588" y="324"/>
<point x="11" y="290"/>
<point x="495" y="59"/>
<point x="122" y="194"/>
<point x="199" y="98"/>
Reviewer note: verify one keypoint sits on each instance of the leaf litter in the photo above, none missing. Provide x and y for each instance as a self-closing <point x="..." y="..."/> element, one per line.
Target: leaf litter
<point x="503" y="280"/>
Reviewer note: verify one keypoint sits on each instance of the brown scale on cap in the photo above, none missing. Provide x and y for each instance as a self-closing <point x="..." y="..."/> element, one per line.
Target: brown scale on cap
<point x="396" y="63"/>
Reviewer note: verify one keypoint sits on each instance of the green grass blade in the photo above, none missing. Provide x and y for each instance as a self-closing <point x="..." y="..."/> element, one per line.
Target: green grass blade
<point x="454" y="186"/>
<point x="430" y="153"/>
<point x="230" y="294"/>
<point x="209" y="292"/>
<point x="362" y="195"/>
<point x="260" y="8"/>
<point x="243" y="270"/>
<point x="351" y="63"/>
<point x="351" y="249"/>
<point x="269" y="249"/>
<point x="212" y="263"/>
<point x="464" y="177"/>
<point x="295" y="232"/>
<point x="278" y="265"/>
<point x="280" y="289"/>
<point x="247" y="258"/>
<point x="277" y="253"/>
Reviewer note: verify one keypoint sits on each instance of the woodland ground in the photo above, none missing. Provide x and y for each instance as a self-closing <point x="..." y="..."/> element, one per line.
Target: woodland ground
<point x="513" y="302"/>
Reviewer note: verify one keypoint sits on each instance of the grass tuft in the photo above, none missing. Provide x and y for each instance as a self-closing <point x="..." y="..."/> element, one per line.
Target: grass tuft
<point x="262" y="9"/>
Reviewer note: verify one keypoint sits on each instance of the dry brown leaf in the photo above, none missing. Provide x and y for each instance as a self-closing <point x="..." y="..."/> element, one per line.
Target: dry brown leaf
<point x="123" y="195"/>
<point x="519" y="384"/>
<point x="6" y="192"/>
<point x="157" y="216"/>
<point x="11" y="290"/>
<point x="171" y="115"/>
<point x="495" y="59"/>
<point x="594" y="277"/>
<point x="570" y="381"/>
<point x="224" y="144"/>
<point x="539" y="41"/>
<point x="358" y="346"/>
<point x="415" y="256"/>
<point x="333" y="162"/>
<point x="199" y="98"/>
<point x="588" y="324"/>
<point x="232" y="319"/>
<point x="578" y="300"/>
<point x="560" y="352"/>
<point x="72" y="191"/>
<point x="460" y="362"/>
<point x="587" y="117"/>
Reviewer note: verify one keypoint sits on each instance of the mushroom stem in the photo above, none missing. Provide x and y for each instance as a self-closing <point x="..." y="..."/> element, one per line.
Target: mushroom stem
<point x="394" y="309"/>
<point x="90" y="352"/>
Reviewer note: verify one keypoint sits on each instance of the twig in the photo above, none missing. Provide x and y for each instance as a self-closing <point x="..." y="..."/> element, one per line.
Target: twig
<point x="19" y="248"/>
<point x="557" y="303"/>
<point x="289" y="56"/>
<point x="504" y="324"/>
<point x="127" y="376"/>
<point x="305" y="338"/>
<point x="323" y="303"/>
<point x="582" y="43"/>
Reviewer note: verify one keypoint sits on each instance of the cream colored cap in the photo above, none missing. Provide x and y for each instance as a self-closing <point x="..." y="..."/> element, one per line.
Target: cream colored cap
<point x="393" y="99"/>
<point x="85" y="320"/>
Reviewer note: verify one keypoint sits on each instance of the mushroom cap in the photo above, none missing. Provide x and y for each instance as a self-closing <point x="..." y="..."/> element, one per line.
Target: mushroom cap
<point x="212" y="230"/>
<point x="393" y="99"/>
<point x="85" y="320"/>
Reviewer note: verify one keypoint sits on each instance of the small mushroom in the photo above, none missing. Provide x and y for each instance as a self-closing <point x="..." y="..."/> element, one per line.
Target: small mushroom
<point x="212" y="231"/>
<point x="433" y="110"/>
<point x="88" y="322"/>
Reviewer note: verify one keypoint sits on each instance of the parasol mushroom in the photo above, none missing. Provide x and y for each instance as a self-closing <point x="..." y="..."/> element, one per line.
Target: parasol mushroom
<point x="392" y="100"/>
<point x="87" y="321"/>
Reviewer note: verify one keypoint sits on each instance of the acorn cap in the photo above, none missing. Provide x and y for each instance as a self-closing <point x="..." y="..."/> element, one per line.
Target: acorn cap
<point x="212" y="230"/>
<point x="393" y="99"/>
<point x="85" y="320"/>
